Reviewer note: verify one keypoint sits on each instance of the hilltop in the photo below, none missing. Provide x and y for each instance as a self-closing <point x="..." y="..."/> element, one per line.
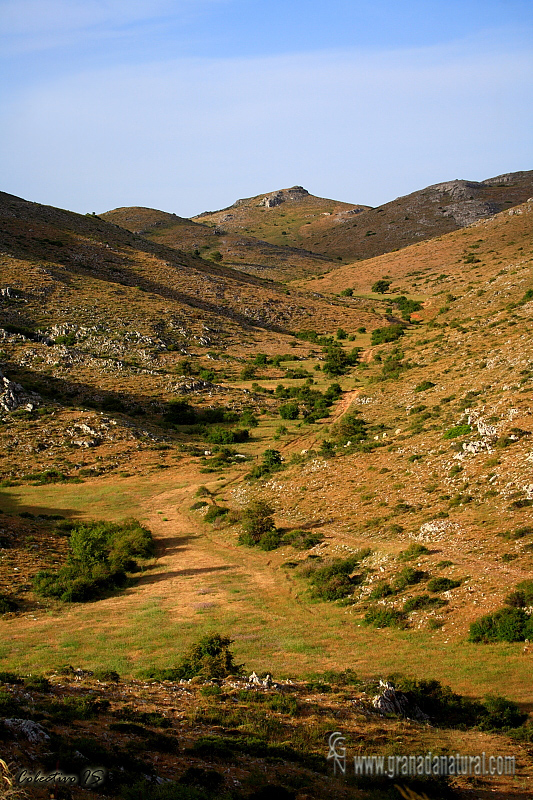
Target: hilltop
<point x="282" y="217"/>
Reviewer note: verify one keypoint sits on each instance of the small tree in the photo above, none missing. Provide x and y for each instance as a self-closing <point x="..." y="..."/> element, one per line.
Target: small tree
<point x="210" y="657"/>
<point x="289" y="411"/>
<point x="382" y="286"/>
<point x="258" y="520"/>
<point x="247" y="372"/>
<point x="272" y="459"/>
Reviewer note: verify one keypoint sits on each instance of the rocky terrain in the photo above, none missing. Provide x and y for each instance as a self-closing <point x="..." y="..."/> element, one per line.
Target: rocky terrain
<point x="376" y="420"/>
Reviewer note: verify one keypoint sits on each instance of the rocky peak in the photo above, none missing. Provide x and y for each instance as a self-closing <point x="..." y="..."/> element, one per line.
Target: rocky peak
<point x="295" y="193"/>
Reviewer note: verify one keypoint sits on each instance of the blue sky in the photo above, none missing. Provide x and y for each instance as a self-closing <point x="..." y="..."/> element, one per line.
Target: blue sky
<point x="187" y="105"/>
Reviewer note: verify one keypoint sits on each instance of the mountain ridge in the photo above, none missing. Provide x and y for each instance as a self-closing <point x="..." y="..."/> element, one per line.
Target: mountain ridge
<point x="360" y="232"/>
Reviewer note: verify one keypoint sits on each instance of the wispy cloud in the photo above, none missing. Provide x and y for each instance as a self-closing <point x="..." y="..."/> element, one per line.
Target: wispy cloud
<point x="185" y="135"/>
<point x="28" y="25"/>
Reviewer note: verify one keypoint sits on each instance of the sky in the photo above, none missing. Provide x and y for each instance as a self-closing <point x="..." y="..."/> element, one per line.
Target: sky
<point x="188" y="105"/>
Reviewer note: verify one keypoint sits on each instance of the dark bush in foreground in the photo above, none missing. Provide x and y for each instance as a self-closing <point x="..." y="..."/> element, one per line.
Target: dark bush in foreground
<point x="210" y="657"/>
<point x="450" y="710"/>
<point x="501" y="714"/>
<point x="7" y="604"/>
<point x="100" y="554"/>
<point x="506" y="625"/>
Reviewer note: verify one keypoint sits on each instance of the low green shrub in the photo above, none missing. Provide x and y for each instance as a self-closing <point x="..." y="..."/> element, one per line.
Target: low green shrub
<point x="519" y="533"/>
<point x="37" y="683"/>
<point x="335" y="581"/>
<point x="458" y="430"/>
<point x="444" y="707"/>
<point x="215" y="512"/>
<point x="501" y="714"/>
<point x="106" y="675"/>
<point x="408" y="577"/>
<point x="7" y="604"/>
<point x="227" y="748"/>
<point x="382" y="589"/>
<point x="442" y="584"/>
<point x="100" y="554"/>
<point x="218" y="435"/>
<point x="198" y="504"/>
<point x="382" y="617"/>
<point x="302" y="539"/>
<point x="289" y="411"/>
<point x="391" y="333"/>
<point x="522" y="597"/>
<point x="422" y="601"/>
<point x="422" y="387"/>
<point x="258" y="522"/>
<point x="68" y="709"/>
<point x="413" y="551"/>
<point x="210" y="658"/>
<point x="10" y="677"/>
<point x="9" y="705"/>
<point x="270" y="540"/>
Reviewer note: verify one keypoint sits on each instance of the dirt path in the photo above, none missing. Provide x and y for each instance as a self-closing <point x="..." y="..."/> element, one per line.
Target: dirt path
<point x="198" y="567"/>
<point x="311" y="438"/>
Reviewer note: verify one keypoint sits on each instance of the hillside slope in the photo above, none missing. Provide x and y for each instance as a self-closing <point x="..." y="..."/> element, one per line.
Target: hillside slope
<point x="93" y="316"/>
<point x="421" y="215"/>
<point x="244" y="253"/>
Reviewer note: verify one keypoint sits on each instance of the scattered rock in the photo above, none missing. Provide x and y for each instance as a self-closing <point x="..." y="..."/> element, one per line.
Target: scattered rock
<point x="33" y="732"/>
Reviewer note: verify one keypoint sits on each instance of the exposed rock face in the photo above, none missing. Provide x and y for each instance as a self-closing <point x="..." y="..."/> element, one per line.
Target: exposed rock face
<point x="277" y="198"/>
<point x="13" y="396"/>
<point x="395" y="703"/>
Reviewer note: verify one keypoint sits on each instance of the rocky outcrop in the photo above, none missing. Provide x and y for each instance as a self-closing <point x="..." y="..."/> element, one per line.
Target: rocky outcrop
<point x="394" y="703"/>
<point x="14" y="396"/>
<point x="295" y="193"/>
